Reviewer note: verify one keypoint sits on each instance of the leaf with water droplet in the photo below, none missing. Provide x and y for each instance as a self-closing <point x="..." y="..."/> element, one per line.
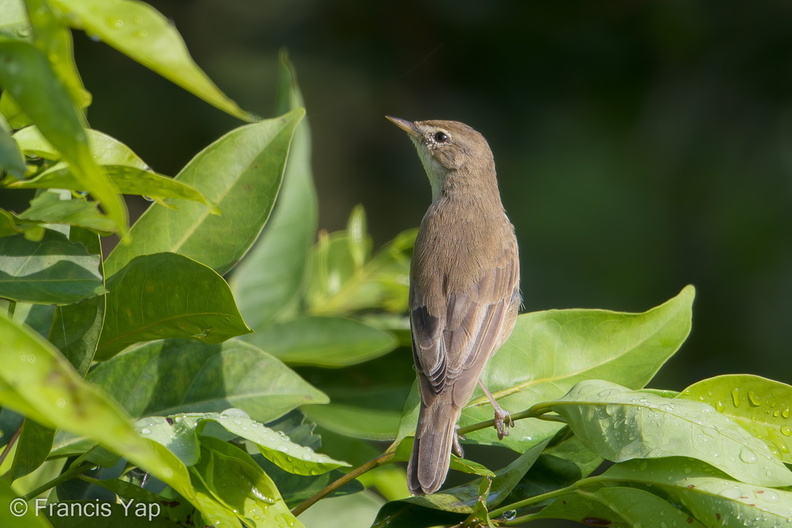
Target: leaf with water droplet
<point x="666" y="427"/>
<point x="244" y="490"/>
<point x="564" y="347"/>
<point x="751" y="401"/>
<point x="35" y="387"/>
<point x="704" y="491"/>
<point x="614" y="506"/>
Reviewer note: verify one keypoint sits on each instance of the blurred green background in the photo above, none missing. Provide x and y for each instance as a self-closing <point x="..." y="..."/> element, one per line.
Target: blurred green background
<point x="641" y="146"/>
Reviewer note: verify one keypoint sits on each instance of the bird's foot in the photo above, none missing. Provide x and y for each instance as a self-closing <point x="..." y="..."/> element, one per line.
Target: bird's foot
<point x="457" y="444"/>
<point x="503" y="421"/>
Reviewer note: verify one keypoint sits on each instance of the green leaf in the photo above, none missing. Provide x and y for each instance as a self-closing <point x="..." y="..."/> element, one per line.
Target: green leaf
<point x="616" y="507"/>
<point x="32" y="449"/>
<point x="139" y="31"/>
<point x="10" y="501"/>
<point x="190" y="376"/>
<point x="29" y="77"/>
<point x="53" y="271"/>
<point x="759" y="405"/>
<point x="359" y="509"/>
<point x="167" y="296"/>
<point x="55" y="39"/>
<point x="13" y="19"/>
<point x="355" y="421"/>
<point x="448" y="505"/>
<point x="323" y="341"/>
<point x="706" y="493"/>
<point x="274" y="445"/>
<point x="339" y="285"/>
<point x="241" y="173"/>
<point x="620" y="424"/>
<point x="551" y="351"/>
<point x="51" y="208"/>
<point x="40" y="383"/>
<point x="269" y="279"/>
<point x="76" y="327"/>
<point x="126" y="170"/>
<point x="10" y="109"/>
<point x="11" y="160"/>
<point x="237" y="483"/>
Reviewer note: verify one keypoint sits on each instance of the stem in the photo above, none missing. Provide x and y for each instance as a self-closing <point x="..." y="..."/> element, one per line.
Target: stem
<point x="10" y="444"/>
<point x="77" y="468"/>
<point x="349" y="477"/>
<point x="73" y="471"/>
<point x="540" y="498"/>
<point x="533" y="412"/>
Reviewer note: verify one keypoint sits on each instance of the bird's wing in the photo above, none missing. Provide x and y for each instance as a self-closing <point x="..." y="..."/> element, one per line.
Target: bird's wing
<point x="461" y="335"/>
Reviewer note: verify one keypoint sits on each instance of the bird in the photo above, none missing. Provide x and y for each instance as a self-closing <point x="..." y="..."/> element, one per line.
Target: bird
<point x="464" y="289"/>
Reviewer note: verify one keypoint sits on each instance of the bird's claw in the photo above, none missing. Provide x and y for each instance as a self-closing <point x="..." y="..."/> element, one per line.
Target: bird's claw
<point x="457" y="444"/>
<point x="503" y="421"/>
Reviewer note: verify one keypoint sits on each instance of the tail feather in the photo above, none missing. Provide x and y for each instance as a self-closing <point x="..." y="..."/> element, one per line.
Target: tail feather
<point x="431" y="455"/>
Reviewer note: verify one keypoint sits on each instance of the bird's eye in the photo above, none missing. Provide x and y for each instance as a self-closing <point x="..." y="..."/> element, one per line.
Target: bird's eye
<point x="441" y="137"/>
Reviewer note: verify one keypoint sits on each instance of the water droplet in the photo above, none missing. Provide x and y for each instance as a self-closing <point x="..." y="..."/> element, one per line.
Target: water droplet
<point x="148" y="198"/>
<point x="786" y="430"/>
<point x="770" y="496"/>
<point x="235" y="413"/>
<point x="732" y="493"/>
<point x="605" y="393"/>
<point x="754" y="398"/>
<point x="145" y="431"/>
<point x="28" y="358"/>
<point x="747" y="456"/>
<point x="785" y="413"/>
<point x="61" y="403"/>
<point x="94" y="37"/>
<point x="735" y="394"/>
<point x="260" y="496"/>
<point x="23" y="32"/>
<point x="688" y="471"/>
<point x="509" y="515"/>
<point x="719" y="406"/>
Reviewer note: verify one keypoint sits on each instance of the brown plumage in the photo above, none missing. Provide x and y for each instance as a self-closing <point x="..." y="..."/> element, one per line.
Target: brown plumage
<point x="464" y="287"/>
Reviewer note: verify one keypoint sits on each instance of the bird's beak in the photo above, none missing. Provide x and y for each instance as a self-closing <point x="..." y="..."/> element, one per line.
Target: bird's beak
<point x="407" y="126"/>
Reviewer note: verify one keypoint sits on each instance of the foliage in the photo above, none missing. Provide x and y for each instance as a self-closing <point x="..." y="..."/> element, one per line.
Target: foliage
<point x="145" y="376"/>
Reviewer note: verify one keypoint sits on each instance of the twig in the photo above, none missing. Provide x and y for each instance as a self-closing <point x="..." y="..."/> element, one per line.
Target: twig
<point x="533" y="412"/>
<point x="349" y="477"/>
<point x="10" y="444"/>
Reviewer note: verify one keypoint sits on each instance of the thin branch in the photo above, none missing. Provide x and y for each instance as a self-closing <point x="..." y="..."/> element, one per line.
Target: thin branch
<point x="349" y="477"/>
<point x="533" y="412"/>
<point x="72" y="472"/>
<point x="10" y="444"/>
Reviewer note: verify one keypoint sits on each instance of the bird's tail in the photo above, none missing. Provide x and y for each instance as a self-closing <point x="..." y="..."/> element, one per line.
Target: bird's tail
<point x="431" y="455"/>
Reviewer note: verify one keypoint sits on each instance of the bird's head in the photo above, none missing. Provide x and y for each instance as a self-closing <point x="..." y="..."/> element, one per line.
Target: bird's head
<point x="447" y="147"/>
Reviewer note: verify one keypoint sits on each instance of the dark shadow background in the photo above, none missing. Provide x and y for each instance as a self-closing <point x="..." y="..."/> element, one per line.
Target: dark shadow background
<point x="641" y="145"/>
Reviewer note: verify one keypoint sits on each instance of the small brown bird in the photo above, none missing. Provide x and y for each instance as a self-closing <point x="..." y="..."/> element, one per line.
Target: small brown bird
<point x="464" y="289"/>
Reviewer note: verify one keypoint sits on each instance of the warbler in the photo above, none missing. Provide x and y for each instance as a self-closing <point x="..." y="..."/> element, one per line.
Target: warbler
<point x="464" y="289"/>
